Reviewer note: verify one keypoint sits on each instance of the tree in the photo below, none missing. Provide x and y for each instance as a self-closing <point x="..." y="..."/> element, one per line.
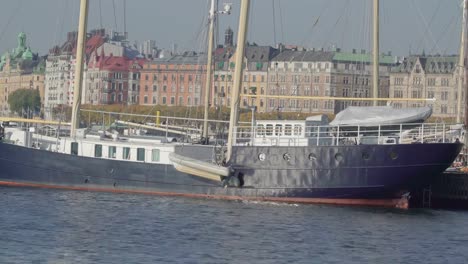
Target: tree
<point x="25" y="100"/>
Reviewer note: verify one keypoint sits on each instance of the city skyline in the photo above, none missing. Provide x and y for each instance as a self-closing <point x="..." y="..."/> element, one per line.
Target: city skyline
<point x="416" y="26"/>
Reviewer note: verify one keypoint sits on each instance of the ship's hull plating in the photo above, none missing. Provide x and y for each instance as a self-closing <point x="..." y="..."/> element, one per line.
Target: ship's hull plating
<point x="350" y="175"/>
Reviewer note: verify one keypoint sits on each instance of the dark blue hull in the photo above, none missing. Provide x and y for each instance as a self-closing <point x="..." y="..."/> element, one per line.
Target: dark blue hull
<point x="325" y="174"/>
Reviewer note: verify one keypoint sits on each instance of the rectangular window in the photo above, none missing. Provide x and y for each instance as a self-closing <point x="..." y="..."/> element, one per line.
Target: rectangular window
<point x="287" y="130"/>
<point x="297" y="130"/>
<point x="126" y="153"/>
<point x="74" y="148"/>
<point x="140" y="154"/>
<point x="269" y="130"/>
<point x="155" y="155"/>
<point x="112" y="152"/>
<point x="278" y="130"/>
<point x="98" y="151"/>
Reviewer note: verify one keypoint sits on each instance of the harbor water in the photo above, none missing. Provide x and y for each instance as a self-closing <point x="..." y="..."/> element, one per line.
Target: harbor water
<point x="53" y="226"/>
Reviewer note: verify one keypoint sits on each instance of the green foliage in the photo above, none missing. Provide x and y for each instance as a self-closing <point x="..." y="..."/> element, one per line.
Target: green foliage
<point x="23" y="100"/>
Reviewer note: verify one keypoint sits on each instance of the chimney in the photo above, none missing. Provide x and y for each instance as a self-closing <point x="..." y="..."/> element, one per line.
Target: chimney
<point x="363" y="51"/>
<point x="354" y="51"/>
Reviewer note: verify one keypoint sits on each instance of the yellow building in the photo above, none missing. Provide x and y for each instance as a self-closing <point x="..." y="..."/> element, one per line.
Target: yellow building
<point x="20" y="69"/>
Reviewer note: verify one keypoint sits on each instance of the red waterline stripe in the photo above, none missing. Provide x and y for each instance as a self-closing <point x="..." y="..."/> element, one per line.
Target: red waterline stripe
<point x="399" y="203"/>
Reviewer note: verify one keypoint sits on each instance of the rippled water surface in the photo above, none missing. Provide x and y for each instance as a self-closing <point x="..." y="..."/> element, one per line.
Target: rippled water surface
<point x="50" y="226"/>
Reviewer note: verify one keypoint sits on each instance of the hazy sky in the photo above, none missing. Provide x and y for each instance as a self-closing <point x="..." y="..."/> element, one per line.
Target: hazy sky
<point x="416" y="25"/>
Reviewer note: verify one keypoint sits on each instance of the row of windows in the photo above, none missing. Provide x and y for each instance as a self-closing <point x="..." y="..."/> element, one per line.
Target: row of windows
<point x="112" y="152"/>
<point x="279" y="130"/>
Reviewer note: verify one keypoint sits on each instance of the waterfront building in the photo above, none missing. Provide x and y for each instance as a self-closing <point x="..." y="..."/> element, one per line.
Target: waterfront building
<point x="427" y="77"/>
<point x="322" y="73"/>
<point x="111" y="80"/>
<point x="255" y="79"/>
<point x="20" y="69"/>
<point x="175" y="81"/>
<point x="60" y="69"/>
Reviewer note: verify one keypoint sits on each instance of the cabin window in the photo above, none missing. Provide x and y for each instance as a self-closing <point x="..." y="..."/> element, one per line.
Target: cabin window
<point x="288" y="130"/>
<point x="98" y="151"/>
<point x="260" y="130"/>
<point x="278" y="130"/>
<point x="140" y="154"/>
<point x="74" y="148"/>
<point x="155" y="155"/>
<point x="112" y="152"/>
<point x="126" y="153"/>
<point x="269" y="130"/>
<point x="297" y="130"/>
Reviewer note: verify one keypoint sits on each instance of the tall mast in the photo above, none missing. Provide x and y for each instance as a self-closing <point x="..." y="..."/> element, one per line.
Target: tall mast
<point x="461" y="62"/>
<point x="79" y="66"/>
<point x="209" y="69"/>
<point x="241" y="38"/>
<point x="375" y="77"/>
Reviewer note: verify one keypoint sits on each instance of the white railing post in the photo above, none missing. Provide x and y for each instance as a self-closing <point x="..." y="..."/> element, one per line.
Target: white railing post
<point x="378" y="136"/>
<point x="422" y="133"/>
<point x="358" y="135"/>
<point x="401" y="133"/>
<point x="318" y="135"/>
<point x="338" y="136"/>
<point x="443" y="134"/>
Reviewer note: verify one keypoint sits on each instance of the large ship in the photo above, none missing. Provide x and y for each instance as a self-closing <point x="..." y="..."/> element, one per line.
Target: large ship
<point x="307" y="161"/>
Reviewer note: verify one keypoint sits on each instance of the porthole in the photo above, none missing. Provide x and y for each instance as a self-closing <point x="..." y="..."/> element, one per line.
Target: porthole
<point x="312" y="157"/>
<point x="262" y="156"/>
<point x="338" y="157"/>
<point x="393" y="155"/>
<point x="287" y="157"/>
<point x="365" y="156"/>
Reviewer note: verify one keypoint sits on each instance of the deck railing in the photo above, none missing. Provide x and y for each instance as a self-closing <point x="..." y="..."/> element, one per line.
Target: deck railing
<point x="297" y="135"/>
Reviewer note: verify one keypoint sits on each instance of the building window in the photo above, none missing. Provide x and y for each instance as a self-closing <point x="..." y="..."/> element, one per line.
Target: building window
<point x="444" y="95"/>
<point x="164" y="100"/>
<point x="172" y="100"/>
<point x="140" y="154"/>
<point x="416" y="94"/>
<point x="74" y="148"/>
<point x="443" y="109"/>
<point x="126" y="153"/>
<point x="398" y="94"/>
<point x="155" y="155"/>
<point x="445" y="82"/>
<point x="145" y="99"/>
<point x="112" y="152"/>
<point x="98" y="151"/>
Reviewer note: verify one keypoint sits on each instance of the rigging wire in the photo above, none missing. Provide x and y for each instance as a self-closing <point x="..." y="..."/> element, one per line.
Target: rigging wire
<point x="431" y="36"/>
<point x="125" y="16"/>
<point x="10" y="19"/>
<point x="281" y="21"/>
<point x="342" y="13"/>
<point x="274" y="22"/>
<point x="418" y="46"/>
<point x="100" y="14"/>
<point x="315" y="24"/>
<point x="454" y="24"/>
<point x="115" y="15"/>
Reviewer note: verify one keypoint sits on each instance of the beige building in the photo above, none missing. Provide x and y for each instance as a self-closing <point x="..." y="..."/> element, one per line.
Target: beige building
<point x="254" y="81"/>
<point x="324" y="74"/>
<point x="427" y="77"/>
<point x="20" y="69"/>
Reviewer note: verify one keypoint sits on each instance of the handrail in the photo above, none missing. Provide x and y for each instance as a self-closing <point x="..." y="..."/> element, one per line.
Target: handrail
<point x="345" y="135"/>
